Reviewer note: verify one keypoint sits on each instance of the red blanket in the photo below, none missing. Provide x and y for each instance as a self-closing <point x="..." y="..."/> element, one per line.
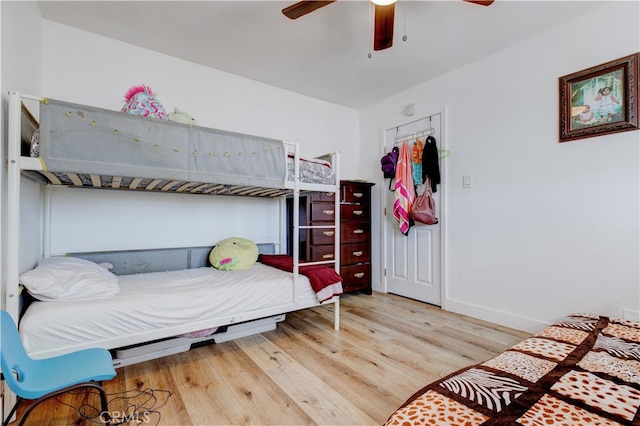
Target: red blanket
<point x="325" y="281"/>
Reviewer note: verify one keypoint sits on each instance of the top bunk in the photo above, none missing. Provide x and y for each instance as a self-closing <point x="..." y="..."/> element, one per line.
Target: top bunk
<point x="82" y="146"/>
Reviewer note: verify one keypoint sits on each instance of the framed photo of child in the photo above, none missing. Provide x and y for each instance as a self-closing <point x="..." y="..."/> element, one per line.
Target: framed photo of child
<point x="600" y="100"/>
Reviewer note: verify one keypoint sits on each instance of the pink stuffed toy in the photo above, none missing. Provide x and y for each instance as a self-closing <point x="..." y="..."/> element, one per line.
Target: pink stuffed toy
<point x="140" y="100"/>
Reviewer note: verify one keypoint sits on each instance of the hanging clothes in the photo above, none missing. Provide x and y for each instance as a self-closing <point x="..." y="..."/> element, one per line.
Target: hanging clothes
<point x="430" y="163"/>
<point x="404" y="190"/>
<point x="416" y="162"/>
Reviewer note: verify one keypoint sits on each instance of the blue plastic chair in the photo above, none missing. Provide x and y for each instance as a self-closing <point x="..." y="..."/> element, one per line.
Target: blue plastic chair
<point x="40" y="379"/>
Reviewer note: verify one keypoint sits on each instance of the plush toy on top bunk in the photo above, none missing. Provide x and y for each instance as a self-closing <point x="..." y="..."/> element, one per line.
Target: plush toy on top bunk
<point x="181" y="117"/>
<point x="141" y="100"/>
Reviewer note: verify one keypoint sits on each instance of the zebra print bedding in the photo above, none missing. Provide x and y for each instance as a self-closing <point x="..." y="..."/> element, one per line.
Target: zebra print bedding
<point x="582" y="370"/>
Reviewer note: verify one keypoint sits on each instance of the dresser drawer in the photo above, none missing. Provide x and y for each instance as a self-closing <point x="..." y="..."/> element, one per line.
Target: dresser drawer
<point x="357" y="276"/>
<point x="323" y="196"/>
<point x="354" y="232"/>
<point x="322" y="236"/>
<point x="322" y="212"/>
<point x="351" y="212"/>
<point x="321" y="252"/>
<point x="355" y="193"/>
<point x="355" y="253"/>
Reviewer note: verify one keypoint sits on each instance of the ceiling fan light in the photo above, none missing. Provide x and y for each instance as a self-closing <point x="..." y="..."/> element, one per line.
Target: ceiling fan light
<point x="383" y="2"/>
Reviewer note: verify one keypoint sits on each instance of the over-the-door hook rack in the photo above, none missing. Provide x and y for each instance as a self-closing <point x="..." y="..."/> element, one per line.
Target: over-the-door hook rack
<point x="415" y="135"/>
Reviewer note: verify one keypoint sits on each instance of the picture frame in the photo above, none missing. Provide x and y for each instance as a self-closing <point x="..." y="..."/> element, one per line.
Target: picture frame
<point x="600" y="100"/>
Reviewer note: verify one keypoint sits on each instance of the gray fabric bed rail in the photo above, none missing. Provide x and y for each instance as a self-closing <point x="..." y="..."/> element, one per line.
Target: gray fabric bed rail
<point x="95" y="142"/>
<point x="126" y="262"/>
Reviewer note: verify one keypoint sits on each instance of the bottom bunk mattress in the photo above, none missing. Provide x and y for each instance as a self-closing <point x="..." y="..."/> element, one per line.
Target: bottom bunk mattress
<point x="583" y="370"/>
<point x="165" y="303"/>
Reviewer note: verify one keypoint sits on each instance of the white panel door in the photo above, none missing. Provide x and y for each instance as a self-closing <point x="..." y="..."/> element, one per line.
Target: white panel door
<point x="412" y="262"/>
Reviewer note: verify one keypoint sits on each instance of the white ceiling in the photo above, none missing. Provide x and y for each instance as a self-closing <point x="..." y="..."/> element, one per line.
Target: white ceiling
<point x="324" y="54"/>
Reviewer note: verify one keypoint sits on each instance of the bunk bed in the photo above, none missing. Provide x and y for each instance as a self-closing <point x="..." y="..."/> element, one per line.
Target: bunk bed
<point x="87" y="147"/>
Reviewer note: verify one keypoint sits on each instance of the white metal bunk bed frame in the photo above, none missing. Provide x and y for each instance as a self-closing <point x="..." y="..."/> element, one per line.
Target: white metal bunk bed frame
<point x="17" y="164"/>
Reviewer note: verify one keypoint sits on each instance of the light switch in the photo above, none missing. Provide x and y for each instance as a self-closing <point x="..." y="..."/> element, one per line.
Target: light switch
<point x="467" y="181"/>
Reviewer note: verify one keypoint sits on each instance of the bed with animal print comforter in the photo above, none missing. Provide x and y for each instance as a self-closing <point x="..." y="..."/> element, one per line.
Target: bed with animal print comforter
<point x="582" y="370"/>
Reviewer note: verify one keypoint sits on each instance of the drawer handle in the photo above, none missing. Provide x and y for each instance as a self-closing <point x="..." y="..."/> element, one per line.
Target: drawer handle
<point x="358" y="231"/>
<point x="358" y="212"/>
<point x="359" y="275"/>
<point x="329" y="194"/>
<point x="358" y="194"/>
<point x="358" y="253"/>
<point x="328" y="233"/>
<point x="327" y="256"/>
<point x="328" y="212"/>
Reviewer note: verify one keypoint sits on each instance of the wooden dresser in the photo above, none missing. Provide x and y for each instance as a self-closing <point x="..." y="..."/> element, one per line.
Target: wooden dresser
<point x="318" y="209"/>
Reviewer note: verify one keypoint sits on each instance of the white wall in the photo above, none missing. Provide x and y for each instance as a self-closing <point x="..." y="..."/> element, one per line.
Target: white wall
<point x="86" y="68"/>
<point x="87" y="220"/>
<point x="548" y="228"/>
<point x="21" y="70"/>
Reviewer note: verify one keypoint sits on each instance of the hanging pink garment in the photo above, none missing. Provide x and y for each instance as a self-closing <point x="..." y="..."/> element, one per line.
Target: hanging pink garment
<point x="404" y="191"/>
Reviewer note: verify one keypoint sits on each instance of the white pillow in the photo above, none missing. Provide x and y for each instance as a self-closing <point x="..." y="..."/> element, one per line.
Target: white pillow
<point x="69" y="278"/>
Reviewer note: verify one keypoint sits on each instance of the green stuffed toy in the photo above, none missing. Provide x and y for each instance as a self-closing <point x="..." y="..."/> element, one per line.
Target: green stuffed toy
<point x="233" y="254"/>
<point x="181" y="117"/>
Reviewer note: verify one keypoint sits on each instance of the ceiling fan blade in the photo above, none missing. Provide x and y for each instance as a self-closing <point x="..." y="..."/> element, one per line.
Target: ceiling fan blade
<point x="301" y="8"/>
<point x="481" y="2"/>
<point x="383" y="30"/>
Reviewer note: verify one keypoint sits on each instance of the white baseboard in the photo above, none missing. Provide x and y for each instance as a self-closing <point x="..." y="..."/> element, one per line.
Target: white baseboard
<point x="496" y="317"/>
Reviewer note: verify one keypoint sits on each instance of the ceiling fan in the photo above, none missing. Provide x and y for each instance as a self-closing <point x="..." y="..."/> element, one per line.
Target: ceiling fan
<point x="383" y="16"/>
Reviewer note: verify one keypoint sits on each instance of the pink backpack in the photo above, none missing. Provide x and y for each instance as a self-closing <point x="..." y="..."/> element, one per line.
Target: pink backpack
<point x="424" y="209"/>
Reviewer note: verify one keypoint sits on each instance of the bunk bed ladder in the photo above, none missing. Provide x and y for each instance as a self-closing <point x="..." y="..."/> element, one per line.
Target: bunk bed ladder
<point x="296" y="227"/>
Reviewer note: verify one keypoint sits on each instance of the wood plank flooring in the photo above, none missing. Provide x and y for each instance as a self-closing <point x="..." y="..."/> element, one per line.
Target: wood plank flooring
<point x="304" y="372"/>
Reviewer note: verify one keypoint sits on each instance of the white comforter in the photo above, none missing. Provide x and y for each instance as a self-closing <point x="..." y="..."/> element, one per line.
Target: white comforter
<point x="162" y="304"/>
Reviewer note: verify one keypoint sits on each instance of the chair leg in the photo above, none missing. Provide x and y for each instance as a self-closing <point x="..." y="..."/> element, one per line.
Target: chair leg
<point x="104" y="415"/>
<point x="12" y="412"/>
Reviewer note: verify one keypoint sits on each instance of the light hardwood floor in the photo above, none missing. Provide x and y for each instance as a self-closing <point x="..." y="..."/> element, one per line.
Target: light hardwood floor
<point x="304" y="372"/>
